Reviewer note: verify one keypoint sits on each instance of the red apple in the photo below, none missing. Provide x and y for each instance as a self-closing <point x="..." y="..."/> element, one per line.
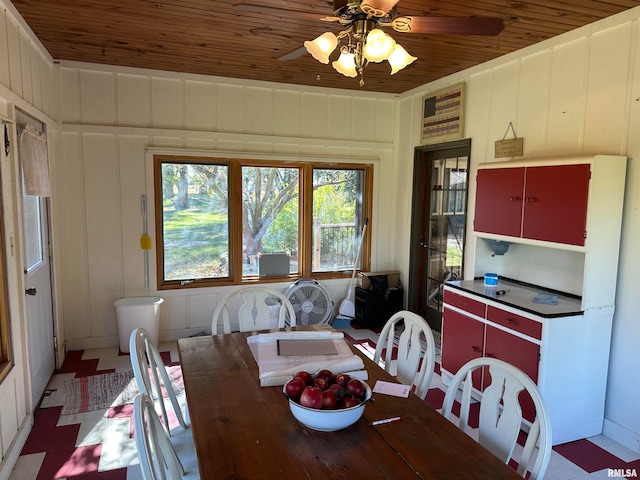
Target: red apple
<point x="321" y="383"/>
<point x="327" y="375"/>
<point x="356" y="388"/>
<point x="311" y="397"/>
<point x="329" y="400"/>
<point x="342" y="379"/>
<point x="306" y="376"/>
<point x="348" y="402"/>
<point x="294" y="388"/>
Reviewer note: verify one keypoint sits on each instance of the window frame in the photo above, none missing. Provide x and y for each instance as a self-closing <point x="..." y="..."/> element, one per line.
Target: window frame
<point x="305" y="233"/>
<point x="6" y="357"/>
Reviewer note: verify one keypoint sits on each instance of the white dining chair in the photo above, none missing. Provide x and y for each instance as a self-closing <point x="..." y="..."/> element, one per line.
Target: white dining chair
<point x="151" y="374"/>
<point x="416" y="350"/>
<point x="501" y="419"/>
<point x="254" y="312"/>
<point x="156" y="452"/>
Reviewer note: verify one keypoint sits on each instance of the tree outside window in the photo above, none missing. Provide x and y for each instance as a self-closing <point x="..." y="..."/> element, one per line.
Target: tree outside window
<point x="217" y="218"/>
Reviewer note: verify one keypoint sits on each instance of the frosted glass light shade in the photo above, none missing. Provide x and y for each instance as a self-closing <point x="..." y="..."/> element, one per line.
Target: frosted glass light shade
<point x="399" y="59"/>
<point x="379" y="46"/>
<point x="346" y="64"/>
<point x="321" y="47"/>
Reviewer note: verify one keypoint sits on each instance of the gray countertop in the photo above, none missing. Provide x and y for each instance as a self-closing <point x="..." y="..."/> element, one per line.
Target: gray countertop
<point x="520" y="295"/>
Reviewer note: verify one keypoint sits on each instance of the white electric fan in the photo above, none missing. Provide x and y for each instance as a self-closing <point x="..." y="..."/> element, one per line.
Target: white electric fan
<point x="311" y="302"/>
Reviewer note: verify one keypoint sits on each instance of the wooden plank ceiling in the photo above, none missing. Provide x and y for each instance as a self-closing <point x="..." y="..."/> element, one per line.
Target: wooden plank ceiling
<point x="214" y="37"/>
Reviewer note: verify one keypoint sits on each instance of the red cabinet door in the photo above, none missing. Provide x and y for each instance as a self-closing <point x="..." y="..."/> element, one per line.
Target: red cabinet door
<point x="518" y="352"/>
<point x="462" y="340"/>
<point x="499" y="194"/>
<point x="555" y="203"/>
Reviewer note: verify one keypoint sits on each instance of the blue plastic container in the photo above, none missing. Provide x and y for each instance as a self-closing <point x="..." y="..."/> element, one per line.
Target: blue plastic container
<point x="490" y="279"/>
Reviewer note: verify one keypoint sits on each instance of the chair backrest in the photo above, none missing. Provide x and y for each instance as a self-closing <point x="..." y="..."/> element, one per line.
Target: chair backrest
<point x="415" y="346"/>
<point x="501" y="419"/>
<point x="151" y="374"/>
<point x="254" y="312"/>
<point x="154" y="448"/>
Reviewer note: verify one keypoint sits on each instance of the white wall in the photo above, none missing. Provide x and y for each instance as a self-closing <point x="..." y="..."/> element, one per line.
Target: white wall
<point x="111" y="120"/>
<point x="26" y="82"/>
<point x="578" y="94"/>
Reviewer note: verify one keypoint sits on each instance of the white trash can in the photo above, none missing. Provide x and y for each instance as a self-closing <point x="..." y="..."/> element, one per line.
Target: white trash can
<point x="134" y="312"/>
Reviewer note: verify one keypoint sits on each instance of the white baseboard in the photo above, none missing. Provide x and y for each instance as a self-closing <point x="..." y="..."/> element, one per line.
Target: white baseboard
<point x="11" y="457"/>
<point x="622" y="435"/>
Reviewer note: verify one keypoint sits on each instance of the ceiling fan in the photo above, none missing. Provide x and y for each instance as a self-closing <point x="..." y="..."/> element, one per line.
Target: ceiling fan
<point x="364" y="40"/>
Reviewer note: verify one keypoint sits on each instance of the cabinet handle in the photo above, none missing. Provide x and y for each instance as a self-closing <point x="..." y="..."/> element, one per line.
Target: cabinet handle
<point x="476" y="349"/>
<point x="515" y="199"/>
<point x="490" y="355"/>
<point x="513" y="321"/>
<point x="530" y="199"/>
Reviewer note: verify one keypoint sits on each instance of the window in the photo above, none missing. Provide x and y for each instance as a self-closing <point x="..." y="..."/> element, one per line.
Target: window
<point x="229" y="221"/>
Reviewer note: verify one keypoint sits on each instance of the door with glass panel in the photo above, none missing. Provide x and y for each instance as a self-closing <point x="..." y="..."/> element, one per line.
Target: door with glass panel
<point x="438" y="225"/>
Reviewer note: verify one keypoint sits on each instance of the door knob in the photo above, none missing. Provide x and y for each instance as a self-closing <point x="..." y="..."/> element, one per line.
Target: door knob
<point x="30" y="291"/>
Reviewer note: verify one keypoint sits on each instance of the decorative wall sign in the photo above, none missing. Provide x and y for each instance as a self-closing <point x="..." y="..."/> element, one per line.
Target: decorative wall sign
<point x="443" y="114"/>
<point x="513" y="147"/>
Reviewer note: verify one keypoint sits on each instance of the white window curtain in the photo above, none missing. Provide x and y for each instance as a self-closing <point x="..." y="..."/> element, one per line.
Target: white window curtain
<point x="35" y="163"/>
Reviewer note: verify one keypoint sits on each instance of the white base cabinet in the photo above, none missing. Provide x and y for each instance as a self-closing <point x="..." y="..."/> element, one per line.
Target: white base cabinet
<point x="567" y="356"/>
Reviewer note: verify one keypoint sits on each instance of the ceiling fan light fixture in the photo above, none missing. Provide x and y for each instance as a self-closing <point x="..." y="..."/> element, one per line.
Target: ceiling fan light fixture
<point x="399" y="59"/>
<point x="379" y="46"/>
<point x="321" y="47"/>
<point x="346" y="64"/>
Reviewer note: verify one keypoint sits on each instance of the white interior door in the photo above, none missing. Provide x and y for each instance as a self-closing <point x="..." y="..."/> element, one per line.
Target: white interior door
<point x="40" y="335"/>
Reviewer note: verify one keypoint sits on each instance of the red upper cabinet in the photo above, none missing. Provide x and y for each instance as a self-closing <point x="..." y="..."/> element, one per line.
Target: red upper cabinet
<point x="555" y="203"/>
<point x="499" y="194"/>
<point x="547" y="203"/>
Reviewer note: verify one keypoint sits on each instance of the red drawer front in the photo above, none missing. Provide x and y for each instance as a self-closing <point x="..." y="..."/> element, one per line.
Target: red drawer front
<point x="465" y="303"/>
<point x="515" y="322"/>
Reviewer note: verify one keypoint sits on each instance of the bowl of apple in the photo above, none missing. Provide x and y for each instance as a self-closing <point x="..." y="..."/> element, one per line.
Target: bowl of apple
<point x="326" y="402"/>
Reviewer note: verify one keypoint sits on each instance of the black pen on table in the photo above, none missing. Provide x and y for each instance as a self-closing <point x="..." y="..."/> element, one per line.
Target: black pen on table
<point x="386" y="420"/>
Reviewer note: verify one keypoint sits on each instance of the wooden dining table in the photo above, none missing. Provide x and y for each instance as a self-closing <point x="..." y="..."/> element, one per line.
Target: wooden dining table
<point x="244" y="431"/>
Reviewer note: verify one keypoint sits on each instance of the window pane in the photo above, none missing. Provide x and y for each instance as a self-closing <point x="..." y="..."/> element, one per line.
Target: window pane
<point x="34" y="245"/>
<point x="270" y="220"/>
<point x="337" y="218"/>
<point x="195" y="221"/>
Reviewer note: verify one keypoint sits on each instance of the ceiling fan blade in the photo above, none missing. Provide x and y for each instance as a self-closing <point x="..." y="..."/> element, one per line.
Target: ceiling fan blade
<point x="277" y="11"/>
<point x="298" y="52"/>
<point x="377" y="8"/>
<point x="449" y="25"/>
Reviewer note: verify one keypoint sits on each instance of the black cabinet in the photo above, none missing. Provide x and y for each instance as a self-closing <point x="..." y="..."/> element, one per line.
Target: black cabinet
<point x="374" y="309"/>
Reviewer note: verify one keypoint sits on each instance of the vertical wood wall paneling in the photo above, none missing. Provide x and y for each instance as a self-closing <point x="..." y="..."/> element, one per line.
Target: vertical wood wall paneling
<point x="385" y="113"/>
<point x="70" y="93"/>
<point x="132" y="184"/>
<point x="5" y="76"/>
<point x="313" y="115"/>
<point x="167" y="103"/>
<point x="339" y="119"/>
<point x="97" y="98"/>
<point x="533" y="106"/>
<point x="199" y="105"/>
<point x="35" y="77"/>
<point x="104" y="230"/>
<point x="230" y="109"/>
<point x="567" y="98"/>
<point x="15" y="69"/>
<point x="364" y="119"/>
<point x="25" y="67"/>
<point x="286" y="113"/>
<point x="74" y="253"/>
<point x="505" y="91"/>
<point x="133" y="100"/>
<point x="607" y="91"/>
<point x="258" y="111"/>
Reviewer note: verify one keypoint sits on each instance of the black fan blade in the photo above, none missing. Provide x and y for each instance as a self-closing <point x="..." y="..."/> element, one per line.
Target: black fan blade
<point x="297" y="53"/>
<point x="377" y="8"/>
<point x="449" y="25"/>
